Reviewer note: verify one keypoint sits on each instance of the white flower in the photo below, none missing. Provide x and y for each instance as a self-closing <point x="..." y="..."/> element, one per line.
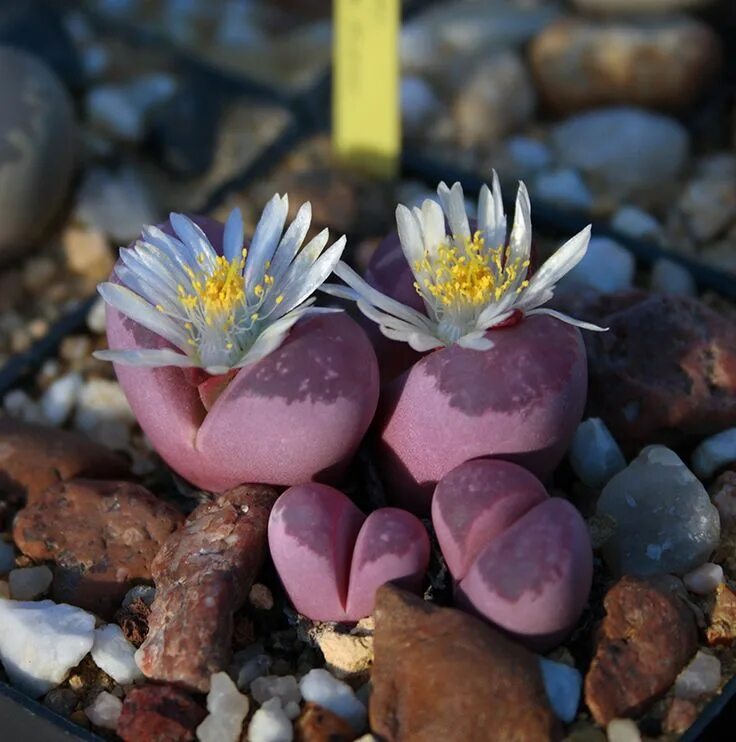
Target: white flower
<point x="220" y="311"/>
<point x="469" y="282"/>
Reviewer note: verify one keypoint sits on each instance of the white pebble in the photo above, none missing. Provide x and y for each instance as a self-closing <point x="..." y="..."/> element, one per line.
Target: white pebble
<point x="563" y="187"/>
<point x="563" y="685"/>
<point x="250" y="665"/>
<point x="623" y="730"/>
<point x="322" y="688"/>
<point x="40" y="642"/>
<point x="714" y="453"/>
<point x="419" y="103"/>
<point x="59" y="399"/>
<point x="7" y="557"/>
<point x="284" y="688"/>
<point x="114" y="654"/>
<point x="669" y="277"/>
<point x="101" y="401"/>
<point x="633" y="222"/>
<point x="20" y="406"/>
<point x="30" y="583"/>
<point x="227" y="711"/>
<point x="104" y="711"/>
<point x="705" y="579"/>
<point x="529" y="154"/>
<point x="270" y="724"/>
<point x="701" y="676"/>
<point x="606" y="267"/>
<point x="594" y="454"/>
<point x="96" y="318"/>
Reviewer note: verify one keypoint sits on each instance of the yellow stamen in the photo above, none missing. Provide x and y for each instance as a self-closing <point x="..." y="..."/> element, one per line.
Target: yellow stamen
<point x="218" y="293"/>
<point x="471" y="276"/>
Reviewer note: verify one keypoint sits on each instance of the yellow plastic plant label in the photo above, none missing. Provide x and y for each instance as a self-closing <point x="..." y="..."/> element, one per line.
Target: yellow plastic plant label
<point x="365" y="93"/>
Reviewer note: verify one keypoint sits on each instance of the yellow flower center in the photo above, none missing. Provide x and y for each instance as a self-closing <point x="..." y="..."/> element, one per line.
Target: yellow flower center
<point x="471" y="276"/>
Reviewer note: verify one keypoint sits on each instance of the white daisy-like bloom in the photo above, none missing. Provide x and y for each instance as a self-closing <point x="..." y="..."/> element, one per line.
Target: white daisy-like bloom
<point x="469" y="281"/>
<point x="220" y="312"/>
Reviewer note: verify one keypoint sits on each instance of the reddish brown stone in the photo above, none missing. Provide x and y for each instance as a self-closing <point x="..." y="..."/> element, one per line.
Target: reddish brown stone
<point x="722" y="625"/>
<point x="317" y="724"/>
<point x="133" y="621"/>
<point x="102" y="536"/>
<point x="680" y="716"/>
<point x="203" y="574"/>
<point x="664" y="372"/>
<point x="440" y="674"/>
<point x="34" y="457"/>
<point x="645" y="640"/>
<point x="159" y="713"/>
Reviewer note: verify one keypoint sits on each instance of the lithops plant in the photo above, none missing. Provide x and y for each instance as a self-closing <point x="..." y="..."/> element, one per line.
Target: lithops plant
<point x="519" y="557"/>
<point x="331" y="558"/>
<point x="501" y="374"/>
<point x="233" y="373"/>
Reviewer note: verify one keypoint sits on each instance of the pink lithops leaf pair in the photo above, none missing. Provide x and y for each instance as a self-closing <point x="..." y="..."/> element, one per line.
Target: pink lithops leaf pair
<point x="505" y="376"/>
<point x="520" y="558"/>
<point x="232" y="372"/>
<point x="331" y="559"/>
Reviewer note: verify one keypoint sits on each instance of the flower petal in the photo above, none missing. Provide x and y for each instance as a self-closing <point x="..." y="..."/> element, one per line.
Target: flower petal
<point x="140" y="311"/>
<point x="410" y="235"/>
<point x="476" y="341"/>
<point x="192" y="235"/>
<point x="491" y="216"/>
<point x="379" y="300"/>
<point x="566" y="318"/>
<point x="520" y="241"/>
<point x="562" y="261"/>
<point x="264" y="242"/>
<point x="232" y="241"/>
<point x="148" y="357"/>
<point x="453" y="202"/>
<point x="291" y="242"/>
<point x="317" y="274"/>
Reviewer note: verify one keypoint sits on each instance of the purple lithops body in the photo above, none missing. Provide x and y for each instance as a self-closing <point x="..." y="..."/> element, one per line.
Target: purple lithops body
<point x="295" y="414"/>
<point x="331" y="559"/>
<point x="502" y="375"/>
<point x="521" y="401"/>
<point x="520" y="558"/>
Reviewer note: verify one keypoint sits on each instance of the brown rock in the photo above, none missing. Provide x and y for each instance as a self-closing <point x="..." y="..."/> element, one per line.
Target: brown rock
<point x="580" y="63"/>
<point x="102" y="536"/>
<point x="664" y="372"/>
<point x="34" y="457"/>
<point x="646" y="638"/>
<point x="133" y="621"/>
<point x="440" y="674"/>
<point x="679" y="716"/>
<point x="203" y="574"/>
<point x="722" y="626"/>
<point x="159" y="713"/>
<point x="317" y="724"/>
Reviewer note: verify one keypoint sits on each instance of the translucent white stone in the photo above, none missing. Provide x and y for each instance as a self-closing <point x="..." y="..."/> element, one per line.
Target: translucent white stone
<point x="41" y="641"/>
<point x="606" y="267"/>
<point x="146" y="593"/>
<point x="227" y="711"/>
<point x="96" y="319"/>
<point x="668" y="277"/>
<point x="594" y="454"/>
<point x="623" y="730"/>
<point x="700" y="677"/>
<point x="419" y="103"/>
<point x="563" y="187"/>
<point x="714" y="453"/>
<point x="704" y="579"/>
<point x="104" y="711"/>
<point x="285" y="688"/>
<point x="29" y="583"/>
<point x="665" y="520"/>
<point x="529" y="154"/>
<point x="270" y="724"/>
<point x="322" y="688"/>
<point x="115" y="655"/>
<point x="563" y="685"/>
<point x="633" y="222"/>
<point x="59" y="399"/>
